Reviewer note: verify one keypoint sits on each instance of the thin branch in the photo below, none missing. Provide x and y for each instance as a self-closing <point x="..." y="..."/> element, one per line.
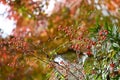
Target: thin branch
<point x="65" y="69"/>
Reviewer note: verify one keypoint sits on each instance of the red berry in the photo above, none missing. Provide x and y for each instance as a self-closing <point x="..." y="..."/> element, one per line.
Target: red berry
<point x="72" y="46"/>
<point x="81" y="45"/>
<point x="100" y="33"/>
<point x="88" y="47"/>
<point x="80" y="37"/>
<point x="86" y="40"/>
<point x="103" y="37"/>
<point x="89" y="53"/>
<point x="59" y="27"/>
<point x="76" y="46"/>
<point x="66" y="28"/>
<point x="93" y="43"/>
<point x="112" y="65"/>
<point x="106" y="32"/>
<point x="61" y="62"/>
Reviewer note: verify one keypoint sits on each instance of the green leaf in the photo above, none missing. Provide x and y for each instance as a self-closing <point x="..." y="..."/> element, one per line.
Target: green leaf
<point x="114" y="30"/>
<point x="115" y="45"/>
<point x="48" y="75"/>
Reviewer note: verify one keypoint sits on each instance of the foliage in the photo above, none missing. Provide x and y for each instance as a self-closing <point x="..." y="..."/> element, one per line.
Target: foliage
<point x="88" y="41"/>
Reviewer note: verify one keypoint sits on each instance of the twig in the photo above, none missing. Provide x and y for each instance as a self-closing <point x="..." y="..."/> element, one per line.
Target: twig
<point x="65" y="69"/>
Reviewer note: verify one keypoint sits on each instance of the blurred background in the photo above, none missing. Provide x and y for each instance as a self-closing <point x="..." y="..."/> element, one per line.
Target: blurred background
<point x="29" y="33"/>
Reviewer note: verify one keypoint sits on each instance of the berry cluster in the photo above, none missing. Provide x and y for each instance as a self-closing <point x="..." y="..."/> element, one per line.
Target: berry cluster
<point x="80" y="43"/>
<point x="103" y="34"/>
<point x="13" y="44"/>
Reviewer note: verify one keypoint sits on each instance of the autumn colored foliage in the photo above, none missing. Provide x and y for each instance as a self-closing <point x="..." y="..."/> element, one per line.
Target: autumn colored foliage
<point x="77" y="40"/>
